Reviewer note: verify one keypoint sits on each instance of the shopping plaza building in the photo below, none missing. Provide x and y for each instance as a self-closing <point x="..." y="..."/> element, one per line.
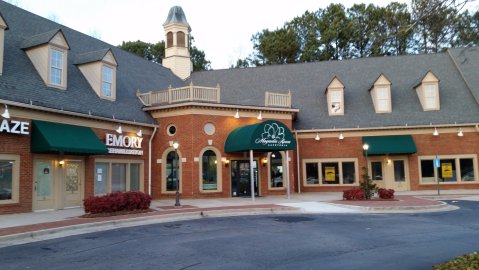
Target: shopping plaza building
<point x="80" y="117"/>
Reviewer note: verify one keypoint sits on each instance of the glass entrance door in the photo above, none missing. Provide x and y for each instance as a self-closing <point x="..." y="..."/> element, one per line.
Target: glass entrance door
<point x="72" y="180"/>
<point x="241" y="178"/>
<point x="43" y="185"/>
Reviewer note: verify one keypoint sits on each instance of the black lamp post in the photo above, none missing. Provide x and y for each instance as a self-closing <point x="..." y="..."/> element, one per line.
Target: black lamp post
<point x="176" y="173"/>
<point x="366" y="148"/>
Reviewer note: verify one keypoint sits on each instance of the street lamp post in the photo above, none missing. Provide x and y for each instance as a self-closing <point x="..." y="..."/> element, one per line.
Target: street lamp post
<point x="176" y="174"/>
<point x="366" y="148"/>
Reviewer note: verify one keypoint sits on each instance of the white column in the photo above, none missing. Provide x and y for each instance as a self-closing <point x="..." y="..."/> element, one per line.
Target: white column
<point x="251" y="172"/>
<point x="287" y="175"/>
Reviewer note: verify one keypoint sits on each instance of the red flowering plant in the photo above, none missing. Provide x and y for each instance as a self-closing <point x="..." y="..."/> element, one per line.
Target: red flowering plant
<point x="117" y="201"/>
<point x="386" y="193"/>
<point x="354" y="194"/>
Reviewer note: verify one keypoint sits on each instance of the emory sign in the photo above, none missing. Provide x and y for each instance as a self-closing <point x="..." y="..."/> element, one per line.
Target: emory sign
<point x="133" y="143"/>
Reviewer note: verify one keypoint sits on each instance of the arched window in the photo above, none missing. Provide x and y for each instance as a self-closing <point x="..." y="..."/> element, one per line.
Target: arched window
<point x="180" y="39"/>
<point x="276" y="170"/>
<point x="172" y="171"/>
<point x="169" y="40"/>
<point x="209" y="170"/>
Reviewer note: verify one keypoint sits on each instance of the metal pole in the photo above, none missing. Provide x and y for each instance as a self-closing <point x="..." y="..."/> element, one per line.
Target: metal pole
<point x="177" y="169"/>
<point x="251" y="173"/>
<point x="287" y="176"/>
<point x="436" y="175"/>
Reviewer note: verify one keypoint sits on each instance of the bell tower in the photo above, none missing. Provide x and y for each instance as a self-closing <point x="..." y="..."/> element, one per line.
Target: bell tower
<point x="177" y="47"/>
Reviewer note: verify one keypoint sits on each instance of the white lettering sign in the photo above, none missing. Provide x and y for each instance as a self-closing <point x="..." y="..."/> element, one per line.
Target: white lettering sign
<point x="15" y="127"/>
<point x="124" y="141"/>
<point x="273" y="135"/>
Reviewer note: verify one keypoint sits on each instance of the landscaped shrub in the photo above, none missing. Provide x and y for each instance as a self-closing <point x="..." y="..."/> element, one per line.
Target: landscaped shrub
<point x="117" y="201"/>
<point x="468" y="261"/>
<point x="354" y="194"/>
<point x="386" y="193"/>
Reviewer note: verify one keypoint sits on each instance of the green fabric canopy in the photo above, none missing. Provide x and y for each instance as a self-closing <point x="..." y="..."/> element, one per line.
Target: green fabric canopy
<point x="266" y="136"/>
<point x="390" y="145"/>
<point x="50" y="137"/>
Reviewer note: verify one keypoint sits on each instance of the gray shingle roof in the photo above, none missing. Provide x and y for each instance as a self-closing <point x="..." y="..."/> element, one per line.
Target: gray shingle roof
<point x="20" y="81"/>
<point x="39" y="39"/>
<point x="176" y="15"/>
<point x="90" y="57"/>
<point x="307" y="82"/>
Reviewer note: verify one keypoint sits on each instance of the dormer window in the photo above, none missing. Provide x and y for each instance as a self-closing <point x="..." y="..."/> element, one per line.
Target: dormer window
<point x="48" y="53"/>
<point x="107" y="81"/>
<point x="335" y="97"/>
<point x="56" y="66"/>
<point x="381" y="95"/>
<point x="99" y="69"/>
<point x="428" y="92"/>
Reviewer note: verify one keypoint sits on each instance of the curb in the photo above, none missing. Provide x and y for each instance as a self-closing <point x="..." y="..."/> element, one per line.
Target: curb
<point x="402" y="209"/>
<point x="70" y="230"/>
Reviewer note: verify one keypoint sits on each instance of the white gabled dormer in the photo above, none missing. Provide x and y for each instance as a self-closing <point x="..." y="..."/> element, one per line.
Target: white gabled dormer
<point x="177" y="52"/>
<point x="99" y="68"/>
<point x="381" y="95"/>
<point x="48" y="53"/>
<point x="428" y="92"/>
<point x="335" y="97"/>
<point x="3" y="28"/>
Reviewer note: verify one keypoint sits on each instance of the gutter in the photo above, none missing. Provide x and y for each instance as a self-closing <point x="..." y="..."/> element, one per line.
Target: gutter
<point x="45" y="109"/>
<point x="149" y="160"/>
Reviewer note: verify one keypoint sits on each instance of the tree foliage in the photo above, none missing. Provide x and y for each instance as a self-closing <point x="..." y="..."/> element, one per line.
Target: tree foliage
<point x="426" y="26"/>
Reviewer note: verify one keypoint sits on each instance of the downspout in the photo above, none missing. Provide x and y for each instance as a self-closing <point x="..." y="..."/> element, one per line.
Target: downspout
<point x="149" y="160"/>
<point x="297" y="161"/>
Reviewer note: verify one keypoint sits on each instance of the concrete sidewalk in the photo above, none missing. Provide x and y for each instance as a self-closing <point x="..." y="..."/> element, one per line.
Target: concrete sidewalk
<point x="36" y="226"/>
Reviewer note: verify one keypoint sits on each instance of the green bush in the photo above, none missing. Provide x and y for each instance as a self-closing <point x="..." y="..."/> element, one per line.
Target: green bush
<point x="464" y="262"/>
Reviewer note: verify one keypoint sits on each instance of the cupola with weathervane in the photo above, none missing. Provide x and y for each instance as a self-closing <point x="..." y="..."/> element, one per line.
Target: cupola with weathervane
<point x="177" y="53"/>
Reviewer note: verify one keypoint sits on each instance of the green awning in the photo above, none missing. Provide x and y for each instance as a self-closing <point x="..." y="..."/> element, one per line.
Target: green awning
<point x="50" y="137"/>
<point x="266" y="136"/>
<point x="390" y="145"/>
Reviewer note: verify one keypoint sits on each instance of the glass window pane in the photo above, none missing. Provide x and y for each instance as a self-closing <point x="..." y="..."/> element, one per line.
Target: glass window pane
<point x="6" y="179"/>
<point x="134" y="177"/>
<point x="276" y="169"/>
<point x="349" y="173"/>
<point x="101" y="178"/>
<point x="427" y="171"/>
<point x="56" y="66"/>
<point x="447" y="172"/>
<point x="118" y="177"/>
<point x="467" y="169"/>
<point x="330" y="173"/>
<point x="107" y="80"/>
<point x="312" y="175"/>
<point x="171" y="171"/>
<point x="376" y="170"/>
<point x="210" y="166"/>
<point x="399" y="173"/>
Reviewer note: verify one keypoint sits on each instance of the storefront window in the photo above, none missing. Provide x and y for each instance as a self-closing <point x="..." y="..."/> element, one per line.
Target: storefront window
<point x="134" y="177"/>
<point x="399" y="173"/>
<point x="452" y="169"/>
<point x="172" y="170"/>
<point x="276" y="169"/>
<point x="312" y="176"/>
<point x="349" y="173"/>
<point x="101" y="178"/>
<point x="376" y="170"/>
<point x="6" y="179"/>
<point x="209" y="166"/>
<point x="330" y="173"/>
<point x="118" y="177"/>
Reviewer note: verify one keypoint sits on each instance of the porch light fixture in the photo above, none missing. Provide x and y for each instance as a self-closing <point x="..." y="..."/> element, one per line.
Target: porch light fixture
<point x="177" y="194"/>
<point x="317" y="137"/>
<point x="435" y="133"/>
<point x="139" y="133"/>
<point x="460" y="134"/>
<point x="225" y="161"/>
<point x="61" y="163"/>
<point x="237" y="114"/>
<point x="341" y="136"/>
<point x="265" y="161"/>
<point x="260" y="116"/>
<point x="6" y="114"/>
<point x="119" y="129"/>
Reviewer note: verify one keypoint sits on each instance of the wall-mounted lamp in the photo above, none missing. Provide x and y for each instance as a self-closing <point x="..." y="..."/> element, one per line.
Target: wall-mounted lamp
<point x="139" y="133"/>
<point x="388" y="161"/>
<point x="225" y="161"/>
<point x="6" y="114"/>
<point x="435" y="133"/>
<point x="341" y="136"/>
<point x="265" y="161"/>
<point x="460" y="134"/>
<point x="260" y="116"/>
<point x="119" y="129"/>
<point x="237" y="114"/>
<point x="61" y="163"/>
<point x="317" y="137"/>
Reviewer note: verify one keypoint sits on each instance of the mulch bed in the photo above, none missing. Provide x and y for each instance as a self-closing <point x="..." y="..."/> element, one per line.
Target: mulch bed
<point x="118" y="213"/>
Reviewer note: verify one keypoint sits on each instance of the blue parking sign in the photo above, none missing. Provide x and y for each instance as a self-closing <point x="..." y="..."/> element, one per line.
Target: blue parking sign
<point x="437" y="162"/>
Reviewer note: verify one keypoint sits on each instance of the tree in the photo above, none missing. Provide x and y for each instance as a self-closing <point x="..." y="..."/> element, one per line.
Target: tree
<point x="275" y="47"/>
<point x="468" y="29"/>
<point x="335" y="29"/>
<point x="306" y="28"/>
<point x="399" y="34"/>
